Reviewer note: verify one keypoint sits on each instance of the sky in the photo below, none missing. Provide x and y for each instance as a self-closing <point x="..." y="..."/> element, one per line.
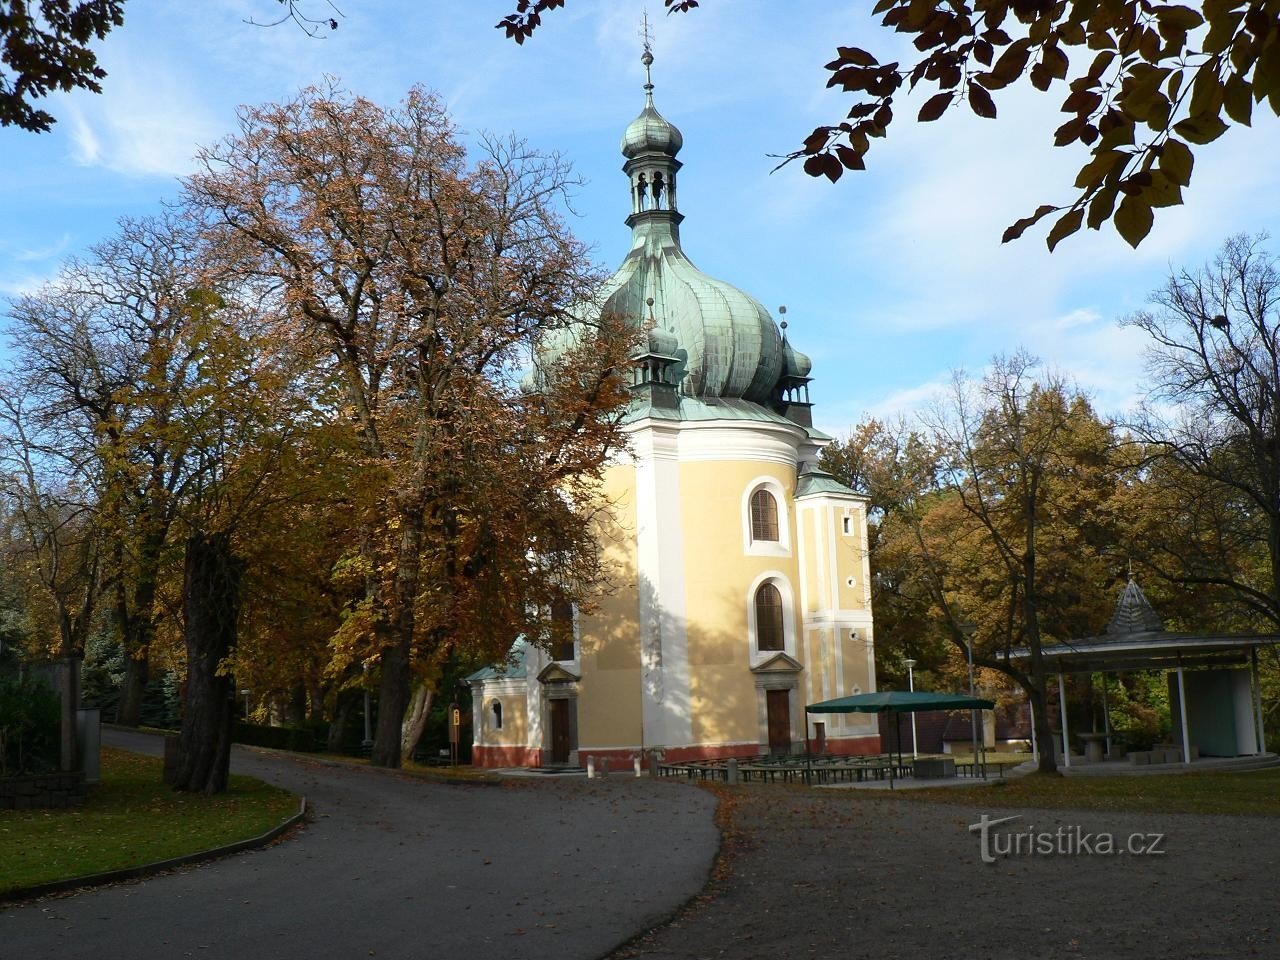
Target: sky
<point x="892" y="278"/>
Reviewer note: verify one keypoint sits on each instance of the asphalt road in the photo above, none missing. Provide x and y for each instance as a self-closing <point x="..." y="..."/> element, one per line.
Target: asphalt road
<point x="399" y="867"/>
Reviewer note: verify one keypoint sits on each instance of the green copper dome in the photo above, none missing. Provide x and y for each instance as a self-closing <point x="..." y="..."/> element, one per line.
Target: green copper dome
<point x="707" y="340"/>
<point x="732" y="347"/>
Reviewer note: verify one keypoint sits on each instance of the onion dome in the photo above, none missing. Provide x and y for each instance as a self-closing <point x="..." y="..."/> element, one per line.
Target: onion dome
<point x="732" y="346"/>
<point x="650" y="132"/>
<point x="794" y="363"/>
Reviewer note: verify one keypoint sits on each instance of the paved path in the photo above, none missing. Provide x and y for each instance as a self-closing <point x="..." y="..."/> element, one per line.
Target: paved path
<point x="400" y="867"/>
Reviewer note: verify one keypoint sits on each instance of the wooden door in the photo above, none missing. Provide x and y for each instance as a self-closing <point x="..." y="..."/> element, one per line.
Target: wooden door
<point x="779" y="711"/>
<point x="561" y="733"/>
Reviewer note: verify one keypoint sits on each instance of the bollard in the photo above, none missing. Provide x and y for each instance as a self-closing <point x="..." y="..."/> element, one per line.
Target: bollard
<point x="637" y="766"/>
<point x="591" y="768"/>
<point x="731" y="770"/>
<point x="604" y="766"/>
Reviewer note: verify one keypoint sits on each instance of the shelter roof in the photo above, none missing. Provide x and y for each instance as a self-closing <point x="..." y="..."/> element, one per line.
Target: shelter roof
<point x="1135" y="639"/>
<point x="900" y="701"/>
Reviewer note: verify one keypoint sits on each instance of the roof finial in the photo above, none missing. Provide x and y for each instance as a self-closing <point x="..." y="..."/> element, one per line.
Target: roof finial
<point x="647" y="57"/>
<point x="783" y="312"/>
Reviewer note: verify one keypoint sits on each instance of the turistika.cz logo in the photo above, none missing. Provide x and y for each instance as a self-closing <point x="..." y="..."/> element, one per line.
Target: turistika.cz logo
<point x="1065" y="841"/>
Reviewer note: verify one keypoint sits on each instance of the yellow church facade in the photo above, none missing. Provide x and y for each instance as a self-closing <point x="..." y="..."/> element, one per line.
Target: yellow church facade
<point x="739" y="571"/>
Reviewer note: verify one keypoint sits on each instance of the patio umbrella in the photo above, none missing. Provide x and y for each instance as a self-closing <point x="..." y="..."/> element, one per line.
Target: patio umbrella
<point x="900" y="702"/>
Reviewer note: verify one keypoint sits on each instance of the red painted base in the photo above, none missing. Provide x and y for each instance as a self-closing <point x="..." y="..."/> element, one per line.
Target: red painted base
<point x="505" y="756"/>
<point x="854" y="746"/>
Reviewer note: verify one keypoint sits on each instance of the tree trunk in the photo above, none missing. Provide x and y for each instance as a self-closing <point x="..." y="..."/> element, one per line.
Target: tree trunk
<point x="69" y="747"/>
<point x="415" y="720"/>
<point x="133" y="689"/>
<point x="393" y="691"/>
<point x="1031" y="616"/>
<point x="211" y="606"/>
<point x="137" y="628"/>
<point x="341" y="717"/>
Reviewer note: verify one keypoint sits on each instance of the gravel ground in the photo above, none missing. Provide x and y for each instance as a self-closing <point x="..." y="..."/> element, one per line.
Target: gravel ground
<point x="830" y="874"/>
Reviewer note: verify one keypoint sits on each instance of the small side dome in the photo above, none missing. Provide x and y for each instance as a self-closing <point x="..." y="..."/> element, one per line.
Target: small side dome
<point x="794" y="363"/>
<point x="662" y="343"/>
<point x="650" y="133"/>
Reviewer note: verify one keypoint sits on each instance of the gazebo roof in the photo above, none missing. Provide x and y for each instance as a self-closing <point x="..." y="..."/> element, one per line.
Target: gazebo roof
<point x="1135" y="639"/>
<point x="1134" y="614"/>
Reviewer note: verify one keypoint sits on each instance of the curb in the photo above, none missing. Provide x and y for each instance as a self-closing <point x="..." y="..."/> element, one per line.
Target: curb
<point x="159" y="866"/>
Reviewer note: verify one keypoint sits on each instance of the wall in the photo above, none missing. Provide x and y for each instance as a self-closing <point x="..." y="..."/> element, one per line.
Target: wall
<point x="45" y="790"/>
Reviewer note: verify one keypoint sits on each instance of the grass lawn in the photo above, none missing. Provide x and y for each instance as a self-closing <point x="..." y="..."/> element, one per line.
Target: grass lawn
<point x="132" y="818"/>
<point x="1247" y="793"/>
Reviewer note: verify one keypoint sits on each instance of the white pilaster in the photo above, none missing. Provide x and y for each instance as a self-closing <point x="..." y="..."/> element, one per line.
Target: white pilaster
<point x="664" y="642"/>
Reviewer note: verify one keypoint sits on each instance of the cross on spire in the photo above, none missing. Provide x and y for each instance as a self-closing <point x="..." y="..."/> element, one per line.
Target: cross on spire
<point x="646" y="58"/>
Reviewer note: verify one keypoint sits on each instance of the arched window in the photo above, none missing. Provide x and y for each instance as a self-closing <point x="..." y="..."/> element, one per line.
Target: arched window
<point x="769" y="632"/>
<point x="764" y="517"/>
<point x="562" y="630"/>
<point x="496" y="707"/>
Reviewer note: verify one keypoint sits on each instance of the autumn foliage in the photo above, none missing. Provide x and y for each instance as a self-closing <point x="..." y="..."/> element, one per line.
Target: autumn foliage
<point x="1141" y="85"/>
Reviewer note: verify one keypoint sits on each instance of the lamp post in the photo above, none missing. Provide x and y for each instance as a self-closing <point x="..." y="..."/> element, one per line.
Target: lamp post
<point x="911" y="685"/>
<point x="967" y="630"/>
<point x="245" y="694"/>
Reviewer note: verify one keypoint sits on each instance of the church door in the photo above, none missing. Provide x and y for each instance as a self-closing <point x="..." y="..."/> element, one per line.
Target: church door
<point x="779" y="711"/>
<point x="561" y="731"/>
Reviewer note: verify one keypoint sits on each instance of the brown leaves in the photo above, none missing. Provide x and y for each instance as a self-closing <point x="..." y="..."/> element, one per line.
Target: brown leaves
<point x="1133" y="220"/>
<point x="980" y="101"/>
<point x="1017" y="229"/>
<point x="1137" y="77"/>
<point x="45" y="49"/>
<point x="824" y="164"/>
<point x="935" y="107"/>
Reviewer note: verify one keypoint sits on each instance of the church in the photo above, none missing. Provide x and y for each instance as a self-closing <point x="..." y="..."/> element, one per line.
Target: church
<point x="740" y="571"/>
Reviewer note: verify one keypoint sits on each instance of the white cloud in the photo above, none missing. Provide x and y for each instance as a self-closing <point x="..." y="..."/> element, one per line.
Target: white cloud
<point x="46" y="252"/>
<point x="87" y="147"/>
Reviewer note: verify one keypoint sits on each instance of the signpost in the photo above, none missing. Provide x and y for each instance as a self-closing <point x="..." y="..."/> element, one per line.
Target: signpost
<point x="455" y="731"/>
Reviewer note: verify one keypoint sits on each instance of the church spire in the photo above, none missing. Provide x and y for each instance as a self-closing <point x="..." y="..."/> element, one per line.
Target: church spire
<point x="647" y="57"/>
<point x="650" y="144"/>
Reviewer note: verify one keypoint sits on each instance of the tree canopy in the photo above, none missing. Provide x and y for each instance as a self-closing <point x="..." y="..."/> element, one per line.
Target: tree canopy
<point x="45" y="46"/>
<point x="1142" y="85"/>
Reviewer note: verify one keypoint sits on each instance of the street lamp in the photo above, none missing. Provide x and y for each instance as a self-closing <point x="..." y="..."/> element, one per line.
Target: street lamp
<point x="967" y="630"/>
<point x="911" y="685"/>
<point x="245" y="694"/>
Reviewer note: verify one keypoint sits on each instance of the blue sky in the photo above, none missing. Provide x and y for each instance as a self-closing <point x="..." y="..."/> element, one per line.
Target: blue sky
<point x="891" y="278"/>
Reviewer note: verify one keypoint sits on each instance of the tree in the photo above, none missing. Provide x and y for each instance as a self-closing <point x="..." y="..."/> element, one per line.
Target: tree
<point x="1028" y="464"/>
<point x="991" y="530"/>
<point x="1212" y="424"/>
<point x="423" y="281"/>
<point x="163" y="400"/>
<point x="45" y="47"/>
<point x="57" y="548"/>
<point x="109" y="353"/>
<point x="1160" y="79"/>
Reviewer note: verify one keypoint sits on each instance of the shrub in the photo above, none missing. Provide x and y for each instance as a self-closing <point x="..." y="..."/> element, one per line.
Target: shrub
<point x="30" y="725"/>
<point x="304" y="739"/>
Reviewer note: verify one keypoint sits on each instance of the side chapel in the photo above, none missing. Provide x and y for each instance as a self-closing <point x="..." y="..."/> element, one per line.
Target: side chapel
<point x="740" y="568"/>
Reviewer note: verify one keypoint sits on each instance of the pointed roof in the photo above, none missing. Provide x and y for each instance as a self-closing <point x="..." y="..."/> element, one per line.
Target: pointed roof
<point x="814" y="480"/>
<point x="515" y="667"/>
<point x="1134" y="613"/>
<point x="1136" y="639"/>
